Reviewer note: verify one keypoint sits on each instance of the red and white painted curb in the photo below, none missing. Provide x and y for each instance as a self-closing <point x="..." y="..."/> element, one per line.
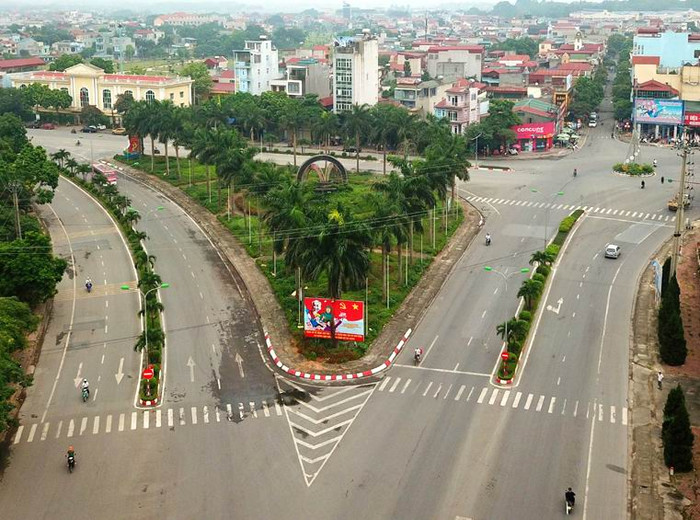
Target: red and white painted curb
<point x="336" y="377"/>
<point x="154" y="402"/>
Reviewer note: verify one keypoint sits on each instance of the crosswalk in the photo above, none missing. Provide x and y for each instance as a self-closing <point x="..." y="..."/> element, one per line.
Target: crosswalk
<point x="506" y="398"/>
<point x="146" y="419"/>
<point x="595" y="210"/>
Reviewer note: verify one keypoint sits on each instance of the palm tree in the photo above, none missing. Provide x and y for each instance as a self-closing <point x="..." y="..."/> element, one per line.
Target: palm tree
<point x="530" y="290"/>
<point x="165" y="125"/>
<point x="394" y="188"/>
<point x="448" y="156"/>
<point x="384" y="129"/>
<point x="405" y="123"/>
<point x="71" y="165"/>
<point x="324" y="126"/>
<point x="542" y="258"/>
<point x="205" y="151"/>
<point x="233" y="165"/>
<point x="142" y="259"/>
<point x="83" y="169"/>
<point x="383" y="227"/>
<point x="517" y="329"/>
<point x="132" y="216"/>
<point x="60" y="156"/>
<point x="292" y="119"/>
<point x="340" y="251"/>
<point x="356" y="123"/>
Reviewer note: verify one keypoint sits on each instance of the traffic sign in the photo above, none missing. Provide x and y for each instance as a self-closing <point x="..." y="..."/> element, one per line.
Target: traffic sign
<point x="504" y="355"/>
<point x="147" y="373"/>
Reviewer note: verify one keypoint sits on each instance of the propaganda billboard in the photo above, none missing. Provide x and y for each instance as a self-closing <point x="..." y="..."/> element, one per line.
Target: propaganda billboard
<point x="658" y="111"/>
<point x="348" y="316"/>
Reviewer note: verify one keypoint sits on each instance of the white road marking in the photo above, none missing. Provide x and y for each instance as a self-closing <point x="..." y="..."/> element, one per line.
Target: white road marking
<point x="456" y="367"/>
<point x="563" y="409"/>
<point x="470" y="340"/>
<point x="32" y="431"/>
<point x="218" y="414"/>
<point x="516" y="401"/>
<point x="438" y="391"/>
<point x="540" y="402"/>
<point x="428" y="388"/>
<point x="459" y="392"/>
<point x="505" y="397"/>
<point x="121" y="422"/>
<point x="384" y="383"/>
<point x="576" y="409"/>
<point x="194" y="414"/>
<point x="551" y="404"/>
<point x="494" y="394"/>
<point x="278" y="409"/>
<point x="448" y="391"/>
<point x="205" y="414"/>
<point x="83" y="425"/>
<point x="71" y="428"/>
<point x="229" y="412"/>
<point x="483" y="314"/>
<point x="405" y="386"/>
<point x="58" y="430"/>
<point x="396" y="383"/>
<point x="96" y="425"/>
<point x="44" y="431"/>
<point x="182" y="416"/>
<point x="558" y="380"/>
<point x="201" y="296"/>
<point x="600" y="413"/>
<point x="612" y="414"/>
<point x="158" y="418"/>
<point x="134" y="420"/>
<point x="253" y="410"/>
<point x="265" y="409"/>
<point x="482" y="395"/>
<point x="18" y="435"/>
<point x="146" y="420"/>
<point x="170" y="417"/>
<point x="624" y="415"/>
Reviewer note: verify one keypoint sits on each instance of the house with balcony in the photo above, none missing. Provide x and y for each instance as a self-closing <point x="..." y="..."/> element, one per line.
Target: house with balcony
<point x="420" y="97"/>
<point x="256" y="66"/>
<point x="464" y="104"/>
<point x="304" y="76"/>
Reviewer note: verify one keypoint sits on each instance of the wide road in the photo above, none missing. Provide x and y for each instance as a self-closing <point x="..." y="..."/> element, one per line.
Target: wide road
<point x="435" y="441"/>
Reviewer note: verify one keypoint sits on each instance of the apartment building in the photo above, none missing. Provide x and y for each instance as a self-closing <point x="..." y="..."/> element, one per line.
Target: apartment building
<point x="304" y="76"/>
<point x="256" y="66"/>
<point x="356" y="71"/>
<point x="456" y="61"/>
<point x="420" y="97"/>
<point x="186" y="19"/>
<point x="465" y="102"/>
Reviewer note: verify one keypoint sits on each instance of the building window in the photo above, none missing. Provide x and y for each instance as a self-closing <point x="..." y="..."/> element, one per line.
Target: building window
<point x="172" y="96"/>
<point x="84" y="97"/>
<point x="150" y="96"/>
<point x="129" y="93"/>
<point x="107" y="98"/>
<point x="182" y="94"/>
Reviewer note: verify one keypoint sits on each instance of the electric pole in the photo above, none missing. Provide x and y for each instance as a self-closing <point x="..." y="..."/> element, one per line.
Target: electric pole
<point x="15" y="187"/>
<point x="680" y="212"/>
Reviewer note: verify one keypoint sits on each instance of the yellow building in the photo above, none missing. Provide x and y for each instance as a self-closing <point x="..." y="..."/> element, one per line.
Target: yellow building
<point x="89" y="85"/>
<point x="684" y="79"/>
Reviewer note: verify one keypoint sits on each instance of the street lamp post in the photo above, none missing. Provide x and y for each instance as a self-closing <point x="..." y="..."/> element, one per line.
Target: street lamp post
<point x="476" y="150"/>
<point x="505" y="277"/>
<point x="546" y="213"/>
<point x="145" y="307"/>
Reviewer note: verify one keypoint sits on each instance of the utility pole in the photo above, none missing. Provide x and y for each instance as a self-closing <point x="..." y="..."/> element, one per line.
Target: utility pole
<point x="15" y="186"/>
<point x="680" y="213"/>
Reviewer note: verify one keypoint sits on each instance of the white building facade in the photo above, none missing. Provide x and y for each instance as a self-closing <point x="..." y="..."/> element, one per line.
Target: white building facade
<point x="256" y="66"/>
<point x="355" y="72"/>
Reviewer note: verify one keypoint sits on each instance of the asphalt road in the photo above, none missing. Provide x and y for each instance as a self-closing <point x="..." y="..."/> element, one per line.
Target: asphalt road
<point x="435" y="441"/>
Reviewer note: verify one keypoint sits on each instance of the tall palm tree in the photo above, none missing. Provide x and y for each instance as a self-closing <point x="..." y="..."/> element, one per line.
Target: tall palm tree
<point x="394" y="190"/>
<point x="405" y="123"/>
<point x="292" y="119"/>
<point x="384" y="129"/>
<point x="233" y="165"/>
<point x="60" y="156"/>
<point x="530" y="290"/>
<point x="83" y="169"/>
<point x="165" y="123"/>
<point x="324" y="127"/>
<point x="356" y="123"/>
<point x="71" y="165"/>
<point x="204" y="149"/>
<point x="448" y="156"/>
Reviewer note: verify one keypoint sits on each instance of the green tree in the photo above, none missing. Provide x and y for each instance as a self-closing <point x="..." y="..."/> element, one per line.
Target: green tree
<point x="356" y="122"/>
<point x="65" y="61"/>
<point x="28" y="270"/>
<point x="105" y="65"/>
<point x="449" y="157"/>
<point x="13" y="135"/>
<point x="542" y="258"/>
<point x="677" y="435"/>
<point x="292" y="119"/>
<point x="202" y="80"/>
<point x="530" y="290"/>
<point x="407" y="69"/>
<point x="587" y="96"/>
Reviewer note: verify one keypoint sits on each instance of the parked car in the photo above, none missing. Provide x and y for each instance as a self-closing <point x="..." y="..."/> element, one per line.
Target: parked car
<point x="48" y="126"/>
<point x="612" y="251"/>
<point x="89" y="129"/>
<point x="119" y="131"/>
<point x="101" y="127"/>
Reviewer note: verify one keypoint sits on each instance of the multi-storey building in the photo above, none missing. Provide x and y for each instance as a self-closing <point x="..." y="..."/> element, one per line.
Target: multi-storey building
<point x="464" y="104"/>
<point x="418" y="96"/>
<point x="190" y="19"/>
<point x="355" y="72"/>
<point x="455" y="61"/>
<point x="307" y="76"/>
<point x="256" y="66"/>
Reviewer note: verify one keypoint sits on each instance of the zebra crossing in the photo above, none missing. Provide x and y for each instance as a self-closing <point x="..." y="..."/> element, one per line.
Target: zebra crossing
<point x="595" y="210"/>
<point x="145" y="419"/>
<point x="506" y="398"/>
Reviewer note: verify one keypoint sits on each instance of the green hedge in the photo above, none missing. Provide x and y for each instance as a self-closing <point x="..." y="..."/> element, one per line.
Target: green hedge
<point x="633" y="168"/>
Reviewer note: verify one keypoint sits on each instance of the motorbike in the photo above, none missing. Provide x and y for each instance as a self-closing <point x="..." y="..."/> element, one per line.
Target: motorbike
<point x="71" y="463"/>
<point x="72" y="131"/>
<point x="569" y="506"/>
<point x="85" y="393"/>
<point x="417" y="356"/>
<point x="77" y="143"/>
<point x="488" y="241"/>
<point x="88" y="286"/>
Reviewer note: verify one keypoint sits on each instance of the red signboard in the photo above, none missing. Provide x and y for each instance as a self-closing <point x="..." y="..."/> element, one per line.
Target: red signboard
<point x="147" y="373"/>
<point x="528" y="130"/>
<point x="691" y="119"/>
<point x="504" y="355"/>
<point x="347" y="315"/>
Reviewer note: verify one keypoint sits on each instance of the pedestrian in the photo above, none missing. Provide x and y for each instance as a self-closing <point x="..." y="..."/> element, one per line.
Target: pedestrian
<point x="642" y="184"/>
<point x="659" y="378"/>
<point x="662" y="179"/>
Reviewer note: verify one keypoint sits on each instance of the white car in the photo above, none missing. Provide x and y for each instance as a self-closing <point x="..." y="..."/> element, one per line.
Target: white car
<point x="612" y="251"/>
<point x="593" y="123"/>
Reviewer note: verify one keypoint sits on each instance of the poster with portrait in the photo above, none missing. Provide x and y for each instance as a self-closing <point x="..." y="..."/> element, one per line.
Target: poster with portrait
<point x="348" y="316"/>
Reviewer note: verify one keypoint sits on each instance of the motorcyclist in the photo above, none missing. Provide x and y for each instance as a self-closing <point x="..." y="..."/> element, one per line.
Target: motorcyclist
<point x="70" y="457"/>
<point x="570" y="497"/>
<point x="488" y="239"/>
<point x="88" y="284"/>
<point x="575" y="172"/>
<point x="71" y="452"/>
<point x="85" y="386"/>
<point x="77" y="143"/>
<point x="654" y="163"/>
<point x="417" y="353"/>
<point x="643" y="183"/>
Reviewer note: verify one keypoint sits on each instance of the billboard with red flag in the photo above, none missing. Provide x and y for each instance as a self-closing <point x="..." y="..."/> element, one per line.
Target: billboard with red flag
<point x="348" y="316"/>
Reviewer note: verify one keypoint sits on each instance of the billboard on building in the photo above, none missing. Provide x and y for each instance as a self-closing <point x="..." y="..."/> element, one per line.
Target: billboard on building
<point x="534" y="130"/>
<point x="658" y="111"/>
<point x="691" y="119"/>
<point x="348" y="316"/>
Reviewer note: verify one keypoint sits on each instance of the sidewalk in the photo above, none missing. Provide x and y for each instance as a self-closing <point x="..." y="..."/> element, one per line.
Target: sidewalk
<point x="654" y="494"/>
<point x="258" y="292"/>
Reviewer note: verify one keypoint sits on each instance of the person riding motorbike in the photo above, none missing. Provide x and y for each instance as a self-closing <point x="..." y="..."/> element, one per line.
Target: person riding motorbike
<point x="643" y="184"/>
<point x="77" y="143"/>
<point x="570" y="497"/>
<point x="85" y="386"/>
<point x="417" y="353"/>
<point x="88" y="284"/>
<point x="655" y="163"/>
<point x="70" y="458"/>
<point x="488" y="239"/>
<point x="575" y="172"/>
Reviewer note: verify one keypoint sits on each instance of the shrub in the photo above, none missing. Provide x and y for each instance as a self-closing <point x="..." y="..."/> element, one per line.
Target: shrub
<point x="672" y="345"/>
<point x="554" y="249"/>
<point x="567" y="224"/>
<point x="515" y="347"/>
<point x="525" y="316"/>
<point x="539" y="277"/>
<point x="676" y="433"/>
<point x="544" y="270"/>
<point x="507" y="369"/>
<point x="633" y="168"/>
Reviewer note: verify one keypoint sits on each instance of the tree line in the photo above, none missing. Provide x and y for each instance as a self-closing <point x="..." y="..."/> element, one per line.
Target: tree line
<point x="29" y="272"/>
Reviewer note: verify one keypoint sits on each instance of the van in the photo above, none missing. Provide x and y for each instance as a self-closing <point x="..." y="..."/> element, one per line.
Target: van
<point x="612" y="251"/>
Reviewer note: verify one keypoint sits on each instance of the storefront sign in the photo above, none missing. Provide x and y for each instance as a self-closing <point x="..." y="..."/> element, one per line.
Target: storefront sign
<point x="691" y="119"/>
<point x="537" y="130"/>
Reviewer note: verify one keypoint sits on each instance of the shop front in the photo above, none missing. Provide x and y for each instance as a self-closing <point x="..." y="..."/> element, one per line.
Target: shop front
<point x="535" y="137"/>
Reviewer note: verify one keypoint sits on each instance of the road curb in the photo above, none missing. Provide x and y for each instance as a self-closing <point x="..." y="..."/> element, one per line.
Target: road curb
<point x="336" y="377"/>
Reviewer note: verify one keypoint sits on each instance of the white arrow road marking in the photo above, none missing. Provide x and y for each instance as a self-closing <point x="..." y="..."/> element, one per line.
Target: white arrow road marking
<point x="556" y="309"/>
<point x="191" y="364"/>
<point x="239" y="362"/>
<point x="78" y="378"/>
<point x="120" y="373"/>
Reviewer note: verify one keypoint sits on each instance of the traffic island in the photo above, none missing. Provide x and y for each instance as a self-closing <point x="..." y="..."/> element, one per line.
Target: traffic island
<point x="515" y="332"/>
